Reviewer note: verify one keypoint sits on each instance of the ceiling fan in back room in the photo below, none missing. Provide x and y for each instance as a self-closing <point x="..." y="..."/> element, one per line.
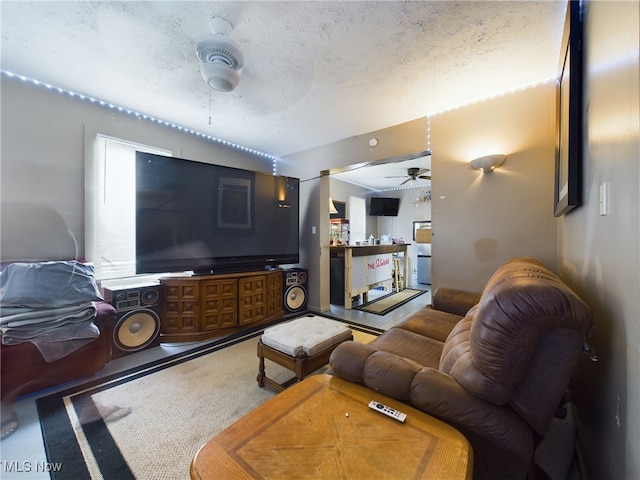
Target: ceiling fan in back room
<point x="414" y="174"/>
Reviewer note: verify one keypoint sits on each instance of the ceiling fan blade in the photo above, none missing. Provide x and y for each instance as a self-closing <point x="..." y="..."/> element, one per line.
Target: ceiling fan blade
<point x="407" y="180"/>
<point x="425" y="177"/>
<point x="397" y="176"/>
<point x="422" y="171"/>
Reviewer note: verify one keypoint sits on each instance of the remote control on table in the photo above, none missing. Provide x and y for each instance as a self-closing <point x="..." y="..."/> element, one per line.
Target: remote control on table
<point x="391" y="412"/>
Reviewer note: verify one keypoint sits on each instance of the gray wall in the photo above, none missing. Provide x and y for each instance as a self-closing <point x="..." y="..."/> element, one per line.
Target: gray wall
<point x="43" y="148"/>
<point x="599" y="255"/>
<point x="480" y="220"/>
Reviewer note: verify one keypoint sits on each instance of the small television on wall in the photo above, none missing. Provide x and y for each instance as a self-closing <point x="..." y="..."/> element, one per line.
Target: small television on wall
<point x="384" y="207"/>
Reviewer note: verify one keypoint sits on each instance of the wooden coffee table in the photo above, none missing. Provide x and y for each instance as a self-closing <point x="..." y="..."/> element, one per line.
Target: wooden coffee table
<point x="323" y="428"/>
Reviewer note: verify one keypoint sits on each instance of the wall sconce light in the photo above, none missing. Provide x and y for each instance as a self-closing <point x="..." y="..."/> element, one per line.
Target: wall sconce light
<point x="373" y="142"/>
<point x="332" y="207"/>
<point x="488" y="163"/>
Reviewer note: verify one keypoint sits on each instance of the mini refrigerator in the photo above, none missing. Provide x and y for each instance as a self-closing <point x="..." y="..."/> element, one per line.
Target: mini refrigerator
<point x="424" y="263"/>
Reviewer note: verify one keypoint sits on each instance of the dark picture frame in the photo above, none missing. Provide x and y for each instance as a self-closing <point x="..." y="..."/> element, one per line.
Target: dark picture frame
<point x="235" y="203"/>
<point x="568" y="169"/>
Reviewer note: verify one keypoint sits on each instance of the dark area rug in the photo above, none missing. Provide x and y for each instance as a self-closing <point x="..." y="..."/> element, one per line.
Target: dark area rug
<point x="388" y="303"/>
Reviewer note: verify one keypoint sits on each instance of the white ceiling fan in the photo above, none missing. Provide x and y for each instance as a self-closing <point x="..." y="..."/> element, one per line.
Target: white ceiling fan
<point x="220" y="57"/>
<point x="414" y="174"/>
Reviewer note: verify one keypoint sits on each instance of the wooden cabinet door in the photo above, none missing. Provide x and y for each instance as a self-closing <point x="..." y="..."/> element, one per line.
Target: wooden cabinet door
<point x="219" y="304"/>
<point x="181" y="308"/>
<point x="253" y="302"/>
<point x="198" y="308"/>
<point x="274" y="293"/>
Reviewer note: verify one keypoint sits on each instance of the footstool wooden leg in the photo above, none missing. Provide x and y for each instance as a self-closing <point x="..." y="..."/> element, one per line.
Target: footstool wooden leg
<point x="300" y="363"/>
<point x="261" y="374"/>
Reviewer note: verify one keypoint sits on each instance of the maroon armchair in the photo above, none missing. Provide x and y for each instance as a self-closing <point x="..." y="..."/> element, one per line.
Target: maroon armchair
<point x="23" y="369"/>
<point x="32" y="233"/>
<point x="497" y="372"/>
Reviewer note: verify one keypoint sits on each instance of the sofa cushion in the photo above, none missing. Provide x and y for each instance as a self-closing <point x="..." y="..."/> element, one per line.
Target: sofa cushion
<point x="457" y="344"/>
<point x="404" y="343"/>
<point x="431" y="323"/>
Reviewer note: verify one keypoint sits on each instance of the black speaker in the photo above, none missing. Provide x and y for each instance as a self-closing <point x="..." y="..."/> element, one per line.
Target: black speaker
<point x="295" y="290"/>
<point x="137" y="318"/>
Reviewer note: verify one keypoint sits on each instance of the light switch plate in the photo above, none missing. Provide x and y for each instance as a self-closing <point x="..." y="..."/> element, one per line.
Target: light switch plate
<point x="603" y="199"/>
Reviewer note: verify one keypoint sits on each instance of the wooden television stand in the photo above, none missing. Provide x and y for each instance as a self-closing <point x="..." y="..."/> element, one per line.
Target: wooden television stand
<point x="202" y="307"/>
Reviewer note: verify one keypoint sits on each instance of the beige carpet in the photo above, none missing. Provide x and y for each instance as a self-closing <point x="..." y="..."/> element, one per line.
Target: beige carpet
<point x="177" y="410"/>
<point x="386" y="304"/>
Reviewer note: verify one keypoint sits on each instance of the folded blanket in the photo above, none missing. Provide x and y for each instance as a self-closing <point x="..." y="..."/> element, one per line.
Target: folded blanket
<point x="49" y="304"/>
<point x="48" y="284"/>
<point x="17" y="317"/>
<point x="58" y="342"/>
<point x="56" y="332"/>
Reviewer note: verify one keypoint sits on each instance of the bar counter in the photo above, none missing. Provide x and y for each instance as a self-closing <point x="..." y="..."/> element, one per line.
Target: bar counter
<point x="358" y="269"/>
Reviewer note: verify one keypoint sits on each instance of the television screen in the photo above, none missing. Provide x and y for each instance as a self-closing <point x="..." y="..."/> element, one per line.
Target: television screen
<point x="384" y="207"/>
<point x="211" y="218"/>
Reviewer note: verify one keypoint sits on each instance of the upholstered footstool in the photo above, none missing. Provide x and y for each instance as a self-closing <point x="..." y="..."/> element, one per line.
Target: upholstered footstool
<point x="302" y="346"/>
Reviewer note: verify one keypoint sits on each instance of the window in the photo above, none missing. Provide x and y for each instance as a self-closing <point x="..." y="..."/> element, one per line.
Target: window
<point x="110" y="201"/>
<point x="357" y="219"/>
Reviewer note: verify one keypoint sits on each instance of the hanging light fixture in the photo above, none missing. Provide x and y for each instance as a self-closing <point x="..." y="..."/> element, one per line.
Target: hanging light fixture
<point x="332" y="206"/>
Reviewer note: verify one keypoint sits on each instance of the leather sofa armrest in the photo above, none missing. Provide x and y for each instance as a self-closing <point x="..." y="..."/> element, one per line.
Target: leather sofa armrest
<point x="438" y="394"/>
<point x="378" y="370"/>
<point x="451" y="300"/>
<point x="348" y="359"/>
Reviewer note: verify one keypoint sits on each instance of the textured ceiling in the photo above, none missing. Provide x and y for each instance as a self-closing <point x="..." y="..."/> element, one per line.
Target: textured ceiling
<point x="315" y="72"/>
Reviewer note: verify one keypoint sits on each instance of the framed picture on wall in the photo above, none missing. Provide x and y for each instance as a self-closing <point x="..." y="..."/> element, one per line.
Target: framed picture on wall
<point x="235" y="203"/>
<point x="568" y="171"/>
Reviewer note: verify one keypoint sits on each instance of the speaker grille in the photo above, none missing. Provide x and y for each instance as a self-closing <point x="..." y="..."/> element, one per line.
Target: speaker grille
<point x="295" y="298"/>
<point x="295" y="290"/>
<point x="136" y="330"/>
<point x="137" y="318"/>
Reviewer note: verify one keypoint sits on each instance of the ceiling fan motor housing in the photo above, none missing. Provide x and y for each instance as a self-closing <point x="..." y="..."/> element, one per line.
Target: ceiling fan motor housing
<point x="221" y="60"/>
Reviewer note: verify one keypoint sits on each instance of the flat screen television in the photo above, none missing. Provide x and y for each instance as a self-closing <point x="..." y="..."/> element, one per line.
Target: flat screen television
<point x="194" y="216"/>
<point x="384" y="207"/>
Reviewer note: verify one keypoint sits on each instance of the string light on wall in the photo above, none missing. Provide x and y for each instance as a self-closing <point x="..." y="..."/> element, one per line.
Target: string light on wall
<point x="498" y="95"/>
<point x="142" y="116"/>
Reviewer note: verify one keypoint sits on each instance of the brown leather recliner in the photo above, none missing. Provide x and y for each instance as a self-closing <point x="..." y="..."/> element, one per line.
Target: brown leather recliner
<point x="497" y="374"/>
